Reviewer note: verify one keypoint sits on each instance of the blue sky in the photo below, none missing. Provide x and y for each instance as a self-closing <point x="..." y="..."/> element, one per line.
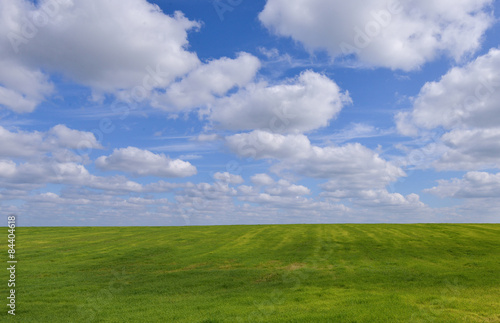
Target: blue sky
<point x="240" y="112"/>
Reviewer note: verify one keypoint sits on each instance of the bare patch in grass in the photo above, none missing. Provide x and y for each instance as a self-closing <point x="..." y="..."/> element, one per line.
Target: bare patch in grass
<point x="295" y="266"/>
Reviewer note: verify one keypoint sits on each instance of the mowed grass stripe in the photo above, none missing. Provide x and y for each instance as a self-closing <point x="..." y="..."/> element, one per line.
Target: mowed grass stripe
<point x="271" y="273"/>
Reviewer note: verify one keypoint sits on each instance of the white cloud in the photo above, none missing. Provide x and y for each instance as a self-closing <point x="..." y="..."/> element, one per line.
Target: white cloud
<point x="111" y="46"/>
<point x="87" y="207"/>
<point x="353" y="171"/>
<point x="395" y="34"/>
<point x="473" y="185"/>
<point x="372" y="197"/>
<point x="262" y="179"/>
<point x="17" y="144"/>
<point x="288" y="202"/>
<point x="30" y="175"/>
<point x="383" y="197"/>
<point x="285" y="188"/>
<point x="73" y="139"/>
<point x="228" y="178"/>
<point x="36" y="144"/>
<point x="478" y="193"/>
<point x="278" y="194"/>
<point x="205" y="197"/>
<point x="284" y="195"/>
<point x="269" y="53"/>
<point x="7" y="168"/>
<point x="217" y="199"/>
<point x="465" y="102"/>
<point x="267" y="186"/>
<point x="470" y="149"/>
<point x="202" y="203"/>
<point x="162" y="186"/>
<point x="351" y="164"/>
<point x="21" y="88"/>
<point x="301" y="104"/>
<point x="145" y="163"/>
<point x="209" y="81"/>
<point x="465" y="96"/>
<point x="261" y="144"/>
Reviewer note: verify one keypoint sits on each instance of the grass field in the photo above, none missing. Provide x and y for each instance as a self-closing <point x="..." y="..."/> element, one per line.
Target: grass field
<point x="281" y="273"/>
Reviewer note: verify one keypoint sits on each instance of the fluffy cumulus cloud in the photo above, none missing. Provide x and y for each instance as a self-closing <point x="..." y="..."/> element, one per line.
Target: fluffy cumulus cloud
<point x="285" y="188"/>
<point x="465" y="102"/>
<point x="35" y="144"/>
<point x="30" y="160"/>
<point x="395" y="34"/>
<point x="467" y="149"/>
<point x="300" y="104"/>
<point x="31" y="175"/>
<point x="141" y="162"/>
<point x="465" y="96"/>
<point x="385" y="198"/>
<point x="207" y="82"/>
<point x="20" y="143"/>
<point x="473" y="185"/>
<point x="351" y="164"/>
<point x="212" y="198"/>
<point x="372" y="197"/>
<point x="228" y="178"/>
<point x="262" y="179"/>
<point x="261" y="144"/>
<point x="477" y="193"/>
<point x="21" y="88"/>
<point x="353" y="171"/>
<point x="138" y="53"/>
<point x="273" y="188"/>
<point x="73" y="139"/>
<point x="110" y="46"/>
<point x="283" y="194"/>
<point x="292" y="202"/>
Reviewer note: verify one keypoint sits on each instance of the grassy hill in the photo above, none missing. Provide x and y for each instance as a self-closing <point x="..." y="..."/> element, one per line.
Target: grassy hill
<point x="270" y="273"/>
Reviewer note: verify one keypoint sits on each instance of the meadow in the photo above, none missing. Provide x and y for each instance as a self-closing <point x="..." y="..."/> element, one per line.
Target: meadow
<point x="260" y="273"/>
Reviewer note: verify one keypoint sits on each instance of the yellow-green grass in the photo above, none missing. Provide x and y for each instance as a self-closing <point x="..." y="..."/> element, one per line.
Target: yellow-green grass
<point x="268" y="273"/>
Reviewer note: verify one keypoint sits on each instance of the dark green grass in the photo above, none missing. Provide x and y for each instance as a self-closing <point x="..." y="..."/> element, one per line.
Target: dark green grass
<point x="281" y="273"/>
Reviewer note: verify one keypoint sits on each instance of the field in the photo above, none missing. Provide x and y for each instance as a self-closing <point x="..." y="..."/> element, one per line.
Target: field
<point x="269" y="273"/>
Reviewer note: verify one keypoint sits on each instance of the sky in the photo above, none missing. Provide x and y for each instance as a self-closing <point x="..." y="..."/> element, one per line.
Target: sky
<point x="202" y="112"/>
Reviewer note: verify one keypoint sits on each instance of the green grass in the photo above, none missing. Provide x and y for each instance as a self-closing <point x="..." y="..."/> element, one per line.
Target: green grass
<point x="281" y="273"/>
